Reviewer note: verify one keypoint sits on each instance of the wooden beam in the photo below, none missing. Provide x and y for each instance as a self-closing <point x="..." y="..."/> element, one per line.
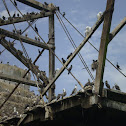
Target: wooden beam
<point x="24" y="60"/>
<point x="28" y="17"/>
<point x="18" y="80"/>
<point x="35" y="4"/>
<point x="51" y="56"/>
<point x="25" y="39"/>
<point x="94" y="28"/>
<point x="103" y="47"/>
<point x="117" y="29"/>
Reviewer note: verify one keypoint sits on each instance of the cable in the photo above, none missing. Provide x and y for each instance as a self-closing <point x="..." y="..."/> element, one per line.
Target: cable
<point x="48" y="46"/>
<point x="74" y="45"/>
<point x="91" y="43"/>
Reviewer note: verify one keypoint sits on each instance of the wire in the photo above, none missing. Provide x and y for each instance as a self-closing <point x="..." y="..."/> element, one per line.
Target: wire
<point x="73" y="44"/>
<point x="90" y="43"/>
<point x="48" y="46"/>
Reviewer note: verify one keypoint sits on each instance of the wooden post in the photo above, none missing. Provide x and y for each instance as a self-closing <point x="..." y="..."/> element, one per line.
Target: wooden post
<point x="103" y="47"/>
<point x="51" y="55"/>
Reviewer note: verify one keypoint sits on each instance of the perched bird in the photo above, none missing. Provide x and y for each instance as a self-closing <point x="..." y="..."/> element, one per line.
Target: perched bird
<point x="94" y="65"/>
<point x="56" y="71"/>
<point x="46" y="3"/>
<point x="36" y="29"/>
<point x="38" y="39"/>
<point x="64" y="93"/>
<point x="39" y="51"/>
<point x="26" y="34"/>
<point x="58" y="96"/>
<point x="69" y="55"/>
<point x="14" y="15"/>
<point x="69" y="69"/>
<point x="35" y="38"/>
<point x="107" y="85"/>
<point x="117" y="87"/>
<point x="3" y="17"/>
<point x="15" y="3"/>
<point x="63" y="60"/>
<point x="15" y="113"/>
<point x="99" y="15"/>
<point x="64" y="14"/>
<point x="38" y="76"/>
<point x="26" y="106"/>
<point x="117" y="66"/>
<point x="74" y="90"/>
<point x="18" y="15"/>
<point x="88" y="30"/>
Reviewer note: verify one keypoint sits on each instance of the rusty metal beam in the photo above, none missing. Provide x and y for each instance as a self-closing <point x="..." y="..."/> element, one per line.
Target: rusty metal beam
<point x="35" y="4"/>
<point x="94" y="28"/>
<point x="25" y="39"/>
<point x="117" y="29"/>
<point x="27" y="62"/>
<point x="103" y="47"/>
<point x="18" y="80"/>
<point x="28" y="17"/>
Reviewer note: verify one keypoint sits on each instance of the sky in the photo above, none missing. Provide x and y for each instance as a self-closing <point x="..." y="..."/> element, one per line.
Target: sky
<point x="80" y="13"/>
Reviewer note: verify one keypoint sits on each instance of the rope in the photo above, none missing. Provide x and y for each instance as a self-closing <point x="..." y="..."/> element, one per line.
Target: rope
<point x="73" y="44"/>
<point x="91" y="44"/>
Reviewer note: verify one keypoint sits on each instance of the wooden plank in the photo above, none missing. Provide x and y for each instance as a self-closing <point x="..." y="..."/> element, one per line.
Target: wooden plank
<point x="24" y="60"/>
<point x="28" y="17"/>
<point x="35" y="4"/>
<point x="94" y="28"/>
<point x="18" y="80"/>
<point x="51" y="56"/>
<point x="103" y="47"/>
<point x="117" y="29"/>
<point x="24" y="39"/>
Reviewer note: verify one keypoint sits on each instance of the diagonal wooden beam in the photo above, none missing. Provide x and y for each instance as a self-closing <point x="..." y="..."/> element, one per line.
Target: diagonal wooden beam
<point x="103" y="47"/>
<point x="94" y="28"/>
<point x="35" y="4"/>
<point x="25" y="39"/>
<point x="18" y="80"/>
<point x="117" y="29"/>
<point x="25" y="18"/>
<point x="24" y="60"/>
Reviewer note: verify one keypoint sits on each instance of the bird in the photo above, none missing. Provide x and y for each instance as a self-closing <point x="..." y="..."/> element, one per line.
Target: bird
<point x="56" y="71"/>
<point x="117" y="87"/>
<point x="26" y="106"/>
<point x="99" y="15"/>
<point x="107" y="85"/>
<point x="38" y="39"/>
<point x="15" y="113"/>
<point x="88" y="30"/>
<point x="64" y="93"/>
<point x="117" y="66"/>
<point x="18" y="15"/>
<point x="69" y="55"/>
<point x="36" y="29"/>
<point x="39" y="51"/>
<point x="14" y="15"/>
<point x="46" y="3"/>
<point x="3" y="17"/>
<point x="58" y="96"/>
<point x="15" y="3"/>
<point x="69" y="69"/>
<point x="26" y="34"/>
<point x="64" y="14"/>
<point x="35" y="38"/>
<point x="74" y="90"/>
<point x="63" y="60"/>
<point x="94" y="65"/>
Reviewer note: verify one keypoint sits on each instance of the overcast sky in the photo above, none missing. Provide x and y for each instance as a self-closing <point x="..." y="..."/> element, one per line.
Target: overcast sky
<point x="80" y="13"/>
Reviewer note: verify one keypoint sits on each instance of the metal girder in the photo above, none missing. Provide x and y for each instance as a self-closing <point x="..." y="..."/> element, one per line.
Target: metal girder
<point x="27" y="17"/>
<point x="27" y="62"/>
<point x="36" y="4"/>
<point x="94" y="28"/>
<point x="117" y="29"/>
<point x="18" y="80"/>
<point x="103" y="47"/>
<point x="25" y="39"/>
